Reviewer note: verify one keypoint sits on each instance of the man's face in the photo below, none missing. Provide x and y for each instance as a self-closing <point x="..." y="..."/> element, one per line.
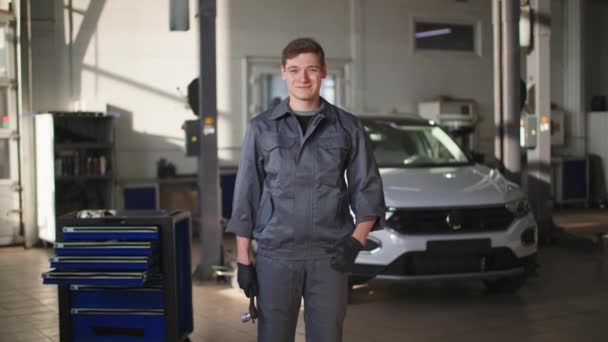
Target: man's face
<point x="303" y="74"/>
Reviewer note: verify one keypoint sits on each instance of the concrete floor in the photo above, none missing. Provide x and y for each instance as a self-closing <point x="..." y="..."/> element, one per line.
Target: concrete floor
<point x="585" y="222"/>
<point x="567" y="302"/>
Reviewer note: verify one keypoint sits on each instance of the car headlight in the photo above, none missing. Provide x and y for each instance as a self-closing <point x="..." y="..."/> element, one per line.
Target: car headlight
<point x="389" y="212"/>
<point x="519" y="208"/>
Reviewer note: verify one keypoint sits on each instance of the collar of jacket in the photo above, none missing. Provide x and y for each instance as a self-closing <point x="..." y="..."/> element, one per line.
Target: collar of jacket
<point x="283" y="108"/>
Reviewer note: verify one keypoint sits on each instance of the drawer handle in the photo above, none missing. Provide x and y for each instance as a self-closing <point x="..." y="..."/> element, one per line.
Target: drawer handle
<point x="117" y="331"/>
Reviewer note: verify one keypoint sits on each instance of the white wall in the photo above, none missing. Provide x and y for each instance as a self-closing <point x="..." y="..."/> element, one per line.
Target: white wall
<point x="557" y="52"/>
<point x="125" y="57"/>
<point x="261" y="28"/>
<point x="122" y="58"/>
<point x="398" y="77"/>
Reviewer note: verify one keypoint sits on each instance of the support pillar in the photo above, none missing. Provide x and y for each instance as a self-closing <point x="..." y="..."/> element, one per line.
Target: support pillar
<point x="497" y="35"/>
<point x="208" y="172"/>
<point x="574" y="78"/>
<point x="510" y="89"/>
<point x="539" y="85"/>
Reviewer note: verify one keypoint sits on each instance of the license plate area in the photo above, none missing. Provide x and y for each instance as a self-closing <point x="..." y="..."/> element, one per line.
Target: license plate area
<point x="459" y="247"/>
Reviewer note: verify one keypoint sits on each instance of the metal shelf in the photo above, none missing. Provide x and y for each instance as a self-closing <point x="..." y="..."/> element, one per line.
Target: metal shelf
<point x="75" y="178"/>
<point x="68" y="146"/>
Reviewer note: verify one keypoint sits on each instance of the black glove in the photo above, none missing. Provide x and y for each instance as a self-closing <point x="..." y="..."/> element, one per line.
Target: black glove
<point x="247" y="279"/>
<point x="344" y="254"/>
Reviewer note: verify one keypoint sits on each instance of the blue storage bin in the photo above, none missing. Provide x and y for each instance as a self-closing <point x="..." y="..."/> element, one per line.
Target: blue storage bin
<point x="93" y="325"/>
<point x="90" y="297"/>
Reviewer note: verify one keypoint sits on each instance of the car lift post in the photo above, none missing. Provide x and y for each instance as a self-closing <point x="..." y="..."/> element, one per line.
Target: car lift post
<point x="537" y="179"/>
<point x="539" y="103"/>
<point x="507" y="85"/>
<point x="208" y="173"/>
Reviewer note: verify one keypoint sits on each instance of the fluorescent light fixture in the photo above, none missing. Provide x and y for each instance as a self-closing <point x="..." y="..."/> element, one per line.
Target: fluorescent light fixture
<point x="433" y="33"/>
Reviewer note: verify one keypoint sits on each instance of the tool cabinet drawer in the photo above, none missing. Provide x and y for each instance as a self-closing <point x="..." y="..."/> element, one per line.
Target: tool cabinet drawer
<point x="57" y="277"/>
<point x="117" y="263"/>
<point x="96" y="325"/>
<point x="90" y="297"/>
<point x="110" y="233"/>
<point x="105" y="248"/>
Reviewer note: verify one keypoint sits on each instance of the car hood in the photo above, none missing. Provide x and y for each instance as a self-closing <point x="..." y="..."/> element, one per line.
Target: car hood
<point x="470" y="185"/>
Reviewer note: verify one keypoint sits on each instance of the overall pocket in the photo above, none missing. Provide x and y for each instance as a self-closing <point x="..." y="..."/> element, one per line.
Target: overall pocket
<point x="279" y="158"/>
<point x="265" y="212"/>
<point x="332" y="153"/>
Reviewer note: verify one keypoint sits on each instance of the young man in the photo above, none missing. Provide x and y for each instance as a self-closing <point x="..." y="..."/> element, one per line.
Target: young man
<point x="291" y="196"/>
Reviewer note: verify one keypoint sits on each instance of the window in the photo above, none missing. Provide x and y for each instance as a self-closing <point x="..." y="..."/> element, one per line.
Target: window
<point x="445" y="36"/>
<point x="3" y="52"/>
<point x="402" y="145"/>
<point x="5" y="118"/>
<point x="265" y="88"/>
<point x="273" y="90"/>
<point x="5" y="159"/>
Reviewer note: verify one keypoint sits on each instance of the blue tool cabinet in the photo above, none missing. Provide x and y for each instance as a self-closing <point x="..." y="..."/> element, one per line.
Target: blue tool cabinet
<point x="124" y="277"/>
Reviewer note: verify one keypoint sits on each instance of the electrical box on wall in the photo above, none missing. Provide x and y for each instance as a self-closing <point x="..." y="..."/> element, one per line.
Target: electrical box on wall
<point x="528" y="131"/>
<point x="192" y="127"/>
<point x="558" y="129"/>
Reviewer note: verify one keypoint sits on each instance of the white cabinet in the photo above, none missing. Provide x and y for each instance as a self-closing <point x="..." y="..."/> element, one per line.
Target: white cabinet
<point x="75" y="166"/>
<point x="10" y="183"/>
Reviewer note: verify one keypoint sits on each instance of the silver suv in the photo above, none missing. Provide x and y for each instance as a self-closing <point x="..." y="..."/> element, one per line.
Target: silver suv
<point x="448" y="217"/>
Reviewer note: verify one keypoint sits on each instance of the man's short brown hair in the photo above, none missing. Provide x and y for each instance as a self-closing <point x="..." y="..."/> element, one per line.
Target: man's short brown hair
<point x="302" y="45"/>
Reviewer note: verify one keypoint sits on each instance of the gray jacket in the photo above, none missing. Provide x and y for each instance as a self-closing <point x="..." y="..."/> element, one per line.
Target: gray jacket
<point x="291" y="195"/>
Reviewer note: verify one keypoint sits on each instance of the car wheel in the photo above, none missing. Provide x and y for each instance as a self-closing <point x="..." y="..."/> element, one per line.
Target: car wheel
<point x="505" y="285"/>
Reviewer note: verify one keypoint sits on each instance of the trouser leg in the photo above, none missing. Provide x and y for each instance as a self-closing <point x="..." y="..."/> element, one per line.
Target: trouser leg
<point x="325" y="300"/>
<point x="280" y="286"/>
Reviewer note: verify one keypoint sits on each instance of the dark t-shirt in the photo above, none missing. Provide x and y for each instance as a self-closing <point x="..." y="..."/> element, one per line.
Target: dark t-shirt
<point x="304" y="120"/>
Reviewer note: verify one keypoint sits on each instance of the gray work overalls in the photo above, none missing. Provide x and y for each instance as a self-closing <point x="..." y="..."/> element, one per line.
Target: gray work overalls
<point x="291" y="196"/>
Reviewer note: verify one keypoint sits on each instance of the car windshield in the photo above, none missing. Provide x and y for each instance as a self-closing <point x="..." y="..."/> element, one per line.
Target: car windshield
<point x="400" y="145"/>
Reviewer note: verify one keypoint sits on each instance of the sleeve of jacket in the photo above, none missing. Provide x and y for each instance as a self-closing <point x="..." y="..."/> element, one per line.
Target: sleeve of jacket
<point x="365" y="189"/>
<point x="248" y="187"/>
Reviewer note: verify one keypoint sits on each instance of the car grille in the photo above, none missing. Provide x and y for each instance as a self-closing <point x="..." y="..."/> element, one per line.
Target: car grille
<point x="461" y="220"/>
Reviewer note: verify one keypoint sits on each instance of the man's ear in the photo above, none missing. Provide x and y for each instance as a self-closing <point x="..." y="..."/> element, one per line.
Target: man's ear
<point x="283" y="73"/>
<point x="324" y="71"/>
